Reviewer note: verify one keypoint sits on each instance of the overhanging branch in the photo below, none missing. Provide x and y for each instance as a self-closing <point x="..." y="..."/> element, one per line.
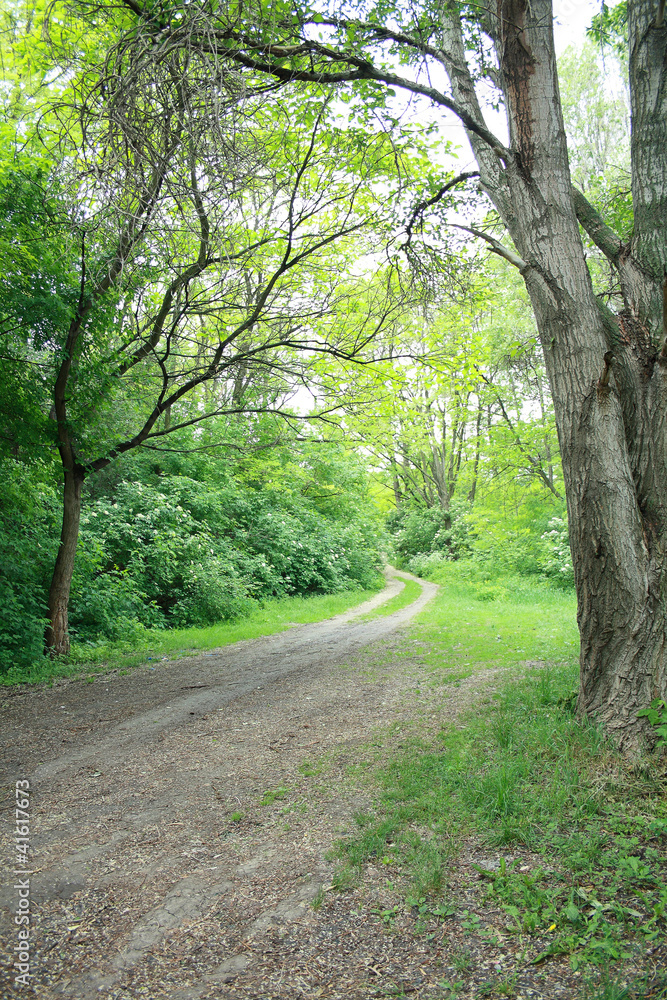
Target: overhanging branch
<point x="261" y="57"/>
<point x="602" y="235"/>
<point x="496" y="247"/>
<point x="423" y="206"/>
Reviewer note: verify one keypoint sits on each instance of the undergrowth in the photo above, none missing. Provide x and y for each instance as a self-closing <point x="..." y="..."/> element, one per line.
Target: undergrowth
<point x="519" y="775"/>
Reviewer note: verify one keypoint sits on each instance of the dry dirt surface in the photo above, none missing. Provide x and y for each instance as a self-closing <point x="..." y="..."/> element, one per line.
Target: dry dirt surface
<point x="183" y="815"/>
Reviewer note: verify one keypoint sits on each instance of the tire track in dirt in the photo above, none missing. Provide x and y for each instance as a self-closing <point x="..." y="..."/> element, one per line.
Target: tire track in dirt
<point x="130" y="810"/>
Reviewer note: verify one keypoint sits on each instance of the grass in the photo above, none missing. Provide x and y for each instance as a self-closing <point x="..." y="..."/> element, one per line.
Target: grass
<point x="271" y="617"/>
<point x="519" y="773"/>
<point x="410" y="592"/>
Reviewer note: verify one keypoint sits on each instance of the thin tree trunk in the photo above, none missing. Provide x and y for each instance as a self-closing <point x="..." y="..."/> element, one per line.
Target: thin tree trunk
<point x="57" y="633"/>
<point x="478" y="444"/>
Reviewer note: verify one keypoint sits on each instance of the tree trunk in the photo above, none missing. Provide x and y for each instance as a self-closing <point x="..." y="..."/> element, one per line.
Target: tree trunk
<point x="478" y="444"/>
<point x="57" y="632"/>
<point x="609" y="409"/>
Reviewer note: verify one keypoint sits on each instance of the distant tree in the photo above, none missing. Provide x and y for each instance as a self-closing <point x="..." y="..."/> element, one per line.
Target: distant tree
<point x="468" y="406"/>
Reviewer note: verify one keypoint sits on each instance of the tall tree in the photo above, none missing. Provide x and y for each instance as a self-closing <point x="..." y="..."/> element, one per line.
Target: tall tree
<point x="200" y="238"/>
<point x="606" y="366"/>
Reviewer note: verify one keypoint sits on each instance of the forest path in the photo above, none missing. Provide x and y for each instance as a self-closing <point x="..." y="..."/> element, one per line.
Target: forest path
<point x="178" y="814"/>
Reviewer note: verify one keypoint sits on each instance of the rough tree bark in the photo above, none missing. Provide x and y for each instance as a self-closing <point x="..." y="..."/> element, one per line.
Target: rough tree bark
<point x="607" y="380"/>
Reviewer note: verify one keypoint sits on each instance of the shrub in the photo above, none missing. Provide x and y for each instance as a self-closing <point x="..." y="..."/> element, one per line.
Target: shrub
<point x="432" y="530"/>
<point x="184" y="553"/>
<point x="557" y="561"/>
<point x="27" y="551"/>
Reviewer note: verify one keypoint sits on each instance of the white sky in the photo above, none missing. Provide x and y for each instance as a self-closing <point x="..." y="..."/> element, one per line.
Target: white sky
<point x="571" y="18"/>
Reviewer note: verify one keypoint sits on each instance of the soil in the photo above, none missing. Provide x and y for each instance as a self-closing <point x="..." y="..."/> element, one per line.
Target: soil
<point x="183" y="815"/>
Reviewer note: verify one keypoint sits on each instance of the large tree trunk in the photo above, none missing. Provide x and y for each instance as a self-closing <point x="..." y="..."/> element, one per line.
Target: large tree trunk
<point x="57" y="633"/>
<point x="609" y="410"/>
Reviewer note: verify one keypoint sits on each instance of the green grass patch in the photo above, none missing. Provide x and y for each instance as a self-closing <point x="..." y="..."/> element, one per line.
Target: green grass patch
<point x="523" y="621"/>
<point x="519" y="773"/>
<point x="267" y="619"/>
<point x="274" y="795"/>
<point x="410" y="592"/>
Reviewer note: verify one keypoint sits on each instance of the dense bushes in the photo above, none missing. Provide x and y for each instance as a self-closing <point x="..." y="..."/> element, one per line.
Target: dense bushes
<point x="430" y="530"/>
<point x="159" y="548"/>
<point x="28" y="545"/>
<point x="185" y="553"/>
<point x="529" y="538"/>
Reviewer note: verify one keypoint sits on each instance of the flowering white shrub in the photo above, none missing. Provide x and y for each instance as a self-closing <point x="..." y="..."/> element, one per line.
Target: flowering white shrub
<point x="558" y="563"/>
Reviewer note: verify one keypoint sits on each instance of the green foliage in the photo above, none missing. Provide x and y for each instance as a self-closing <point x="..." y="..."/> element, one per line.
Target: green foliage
<point x="433" y="530"/>
<point x="523" y="532"/>
<point x="597" y="126"/>
<point x="28" y="517"/>
<point x="37" y="292"/>
<point x="557" y="563"/>
<point x="38" y="286"/>
<point x="610" y="27"/>
<point x="274" y="795"/>
<point x="656" y="714"/>
<point x="161" y="549"/>
<point x="606" y="985"/>
<point x="180" y="553"/>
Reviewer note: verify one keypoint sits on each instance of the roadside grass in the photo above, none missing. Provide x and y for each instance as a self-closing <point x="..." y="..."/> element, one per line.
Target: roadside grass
<point x="574" y="835"/>
<point x="270" y="617"/>
<point x="410" y="592"/>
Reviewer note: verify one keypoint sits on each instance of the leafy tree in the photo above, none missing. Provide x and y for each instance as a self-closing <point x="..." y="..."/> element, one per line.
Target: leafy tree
<point x="596" y="117"/>
<point x="28" y="515"/>
<point x="469" y="411"/>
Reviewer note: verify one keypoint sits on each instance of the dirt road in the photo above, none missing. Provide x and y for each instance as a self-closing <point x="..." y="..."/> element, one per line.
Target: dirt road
<point x="177" y="812"/>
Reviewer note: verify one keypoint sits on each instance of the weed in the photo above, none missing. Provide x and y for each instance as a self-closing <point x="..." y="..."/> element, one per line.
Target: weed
<point x="236" y="817"/>
<point x="318" y="900"/>
<point x="426" y="910"/>
<point x="388" y="917"/>
<point x="345" y="878"/>
<point x="462" y="959"/>
<point x="507" y="986"/>
<point x="310" y="769"/>
<point x="657" y="716"/>
<point x="608" y="986"/>
<point x="269" y="797"/>
<point x="452" y="989"/>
